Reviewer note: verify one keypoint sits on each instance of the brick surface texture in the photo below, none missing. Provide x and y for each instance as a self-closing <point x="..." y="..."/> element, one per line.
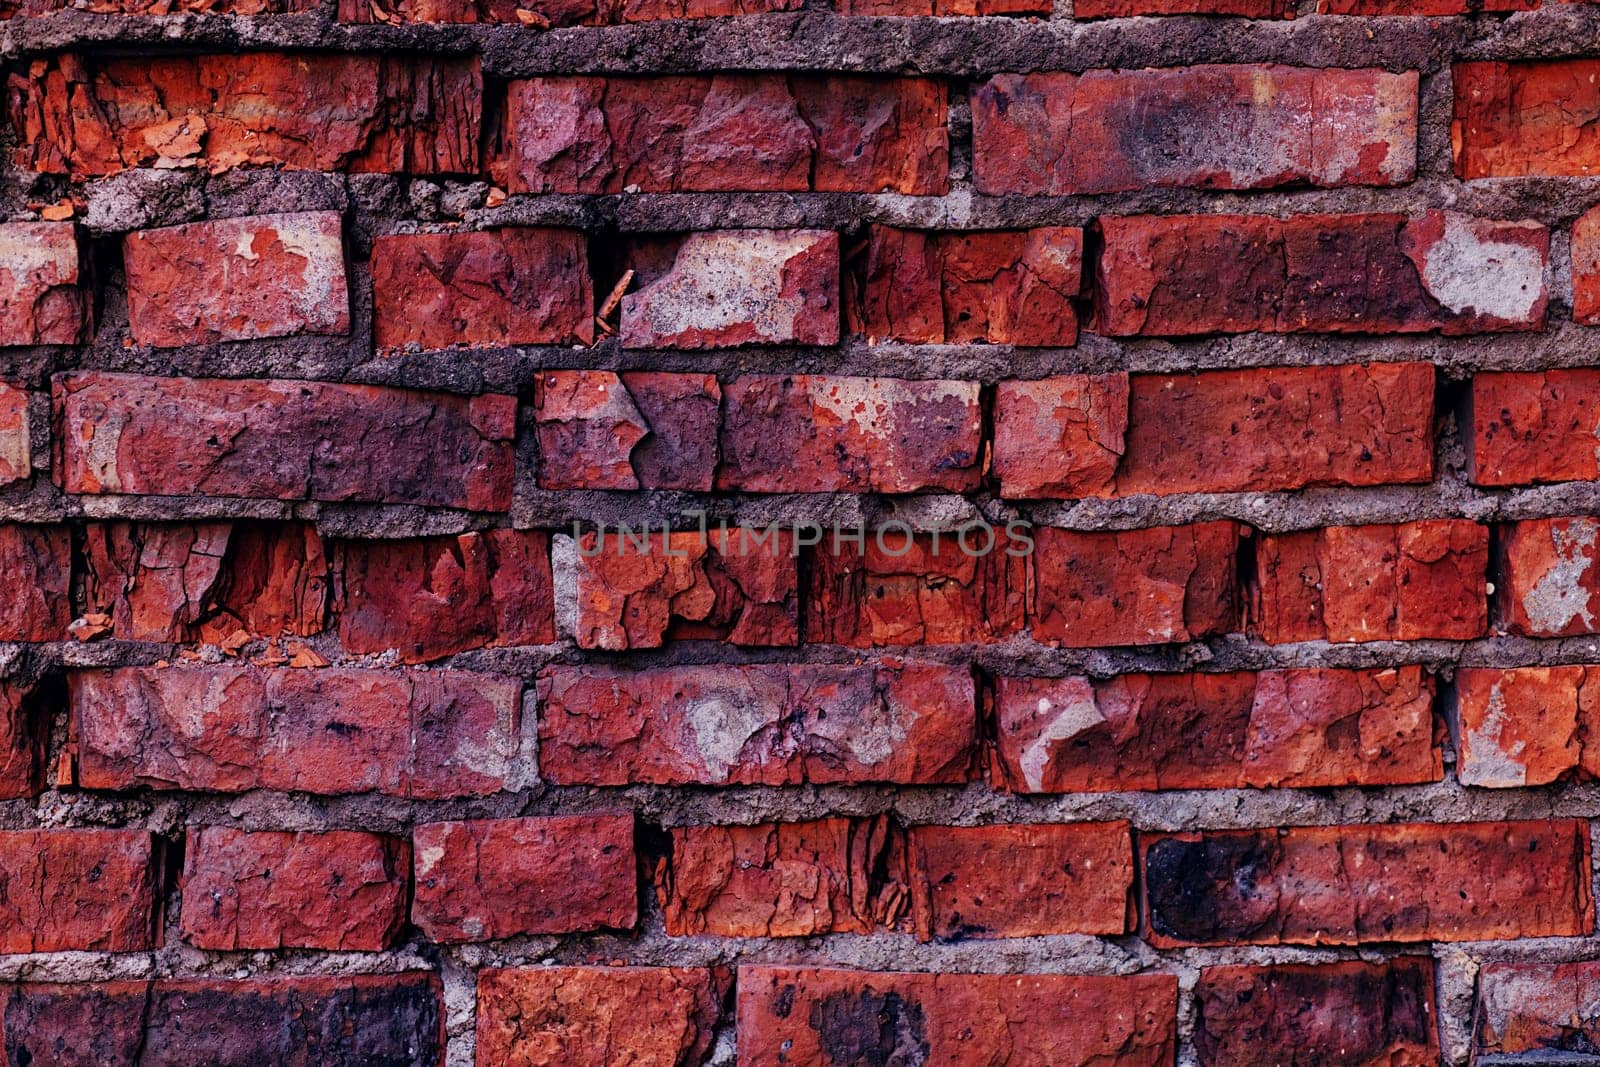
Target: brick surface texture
<point x="799" y="533"/>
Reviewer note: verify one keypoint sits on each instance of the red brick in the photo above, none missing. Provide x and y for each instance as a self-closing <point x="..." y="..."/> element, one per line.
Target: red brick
<point x="284" y="440"/>
<point x="1210" y="127"/>
<point x="1135" y="587"/>
<point x="1527" y="726"/>
<point x="1189" y="274"/>
<point x="16" y="452"/>
<point x="39" y="8"/>
<point x="427" y="597"/>
<point x="793" y="1015"/>
<point x="635" y="430"/>
<point x="716" y="132"/>
<point x="520" y="286"/>
<point x="335" y="731"/>
<point x="739" y="287"/>
<point x="598" y="1016"/>
<point x="654" y="10"/>
<point x="1586" y="268"/>
<point x="40" y="299"/>
<point x="1548" y="584"/>
<point x="91" y="890"/>
<point x="206" y="581"/>
<point x="1347" y="885"/>
<point x="820" y="434"/>
<point x="306" y="111"/>
<point x="1301" y="728"/>
<point x="405" y="12"/>
<point x="923" y="590"/>
<point x="339" y="890"/>
<point x="1535" y="427"/>
<point x="237" y="279"/>
<point x="777" y="879"/>
<point x="37" y="563"/>
<point x="1010" y="287"/>
<point x="1216" y="432"/>
<point x="1406" y="582"/>
<point x="1020" y="881"/>
<point x="734" y="585"/>
<point x="1516" y="120"/>
<point x="25" y="715"/>
<point x="1536" y="1011"/>
<point x="942" y="8"/>
<point x="494" y="878"/>
<point x="1255" y="9"/>
<point x="760" y="724"/>
<point x="1350" y="1012"/>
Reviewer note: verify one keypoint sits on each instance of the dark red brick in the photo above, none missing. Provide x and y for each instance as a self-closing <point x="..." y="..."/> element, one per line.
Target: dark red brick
<point x="1347" y="885"/>
<point x="1192" y="274"/>
<point x="516" y="286"/>
<point x="766" y="724"/>
<point x="1405" y="582"/>
<point x="821" y="434"/>
<point x="82" y="889"/>
<point x="1302" y="728"/>
<point x="37" y="563"/>
<point x="488" y="879"/>
<point x="1135" y="587"/>
<point x="334" y="731"/>
<point x="1211" y="127"/>
<point x="428" y="597"/>
<point x="341" y="890"/>
<point x="713" y="132"/>
<point x="635" y="430"/>
<point x="284" y="440"/>
<point x="1534" y="1011"/>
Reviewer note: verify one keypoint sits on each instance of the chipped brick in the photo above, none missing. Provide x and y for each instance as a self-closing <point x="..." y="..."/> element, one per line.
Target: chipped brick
<point x="635" y="430"/>
<point x="37" y="563"/>
<point x="41" y="302"/>
<point x="1527" y="726"/>
<point x="1549" y="585"/>
<point x="1537" y="1011"/>
<point x="83" y="889"/>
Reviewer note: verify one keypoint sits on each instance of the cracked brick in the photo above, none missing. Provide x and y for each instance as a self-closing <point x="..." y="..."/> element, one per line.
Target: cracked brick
<point x="635" y="430"/>
<point x="41" y="298"/>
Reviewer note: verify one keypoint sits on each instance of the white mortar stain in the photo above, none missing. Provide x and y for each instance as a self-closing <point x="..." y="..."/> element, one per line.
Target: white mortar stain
<point x="1062" y="721"/>
<point x="1558" y="596"/>
<point x="1496" y="278"/>
<point x="1485" y="762"/>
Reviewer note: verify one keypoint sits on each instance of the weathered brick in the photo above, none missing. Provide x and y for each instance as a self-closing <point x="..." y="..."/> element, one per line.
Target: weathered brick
<point x="16" y="450"/>
<point x="1425" y="7"/>
<point x="487" y="879"/>
<point x="777" y="879"/>
<point x="360" y="1021"/>
<point x="1216" y="432"/>
<point x="1020" y="881"/>
<point x="37" y="8"/>
<point x="1515" y="120"/>
<point x="547" y="13"/>
<point x="1535" y="427"/>
<point x="427" y="597"/>
<point x="1190" y="274"/>
<point x="1135" y="587"/>
<point x="1548" y="583"/>
<point x="237" y="279"/>
<point x="636" y="430"/>
<point x="37" y="564"/>
<point x="41" y="302"/>
<point x="1213" y="127"/>
<point x="1302" y="728"/>
<point x="942" y="8"/>
<point x="1255" y="9"/>
<point x="723" y="288"/>
<point x="819" y="434"/>
<point x="1008" y="287"/>
<point x="206" y="581"/>
<point x="731" y="585"/>
<point x="334" y="731"/>
<point x="764" y="724"/>
<point x="517" y="286"/>
<point x="1406" y="582"/>
<point x="1346" y="885"/>
<point x="84" y="889"/>
<point x="1527" y="726"/>
<point x="25" y="715"/>
<point x="1534" y="1011"/>
<point x="793" y="1015"/>
<point x="1586" y="268"/>
<point x="341" y="890"/>
<point x="1350" y="1012"/>
<point x="285" y="440"/>
<point x="924" y="590"/>
<point x="598" y="1016"/>
<point x="307" y="111"/>
<point x="714" y="132"/>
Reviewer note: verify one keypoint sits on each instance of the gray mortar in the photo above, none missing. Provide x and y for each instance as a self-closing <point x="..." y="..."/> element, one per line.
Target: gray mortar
<point x="960" y="50"/>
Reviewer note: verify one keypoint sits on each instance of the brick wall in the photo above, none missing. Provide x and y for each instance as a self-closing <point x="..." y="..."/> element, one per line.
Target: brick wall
<point x="1255" y="333"/>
